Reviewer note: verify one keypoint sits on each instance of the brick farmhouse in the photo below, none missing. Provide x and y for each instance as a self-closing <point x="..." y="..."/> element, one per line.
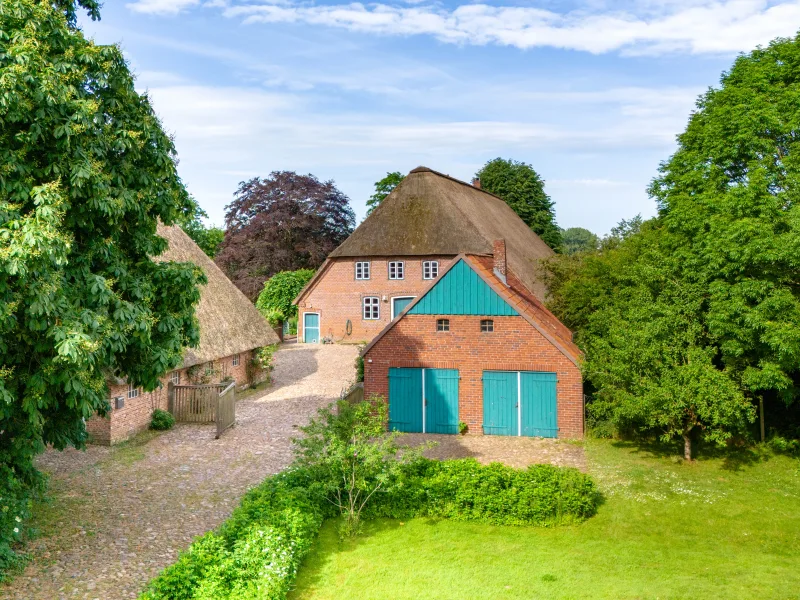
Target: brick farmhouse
<point x="230" y="330"/>
<point x="442" y="280"/>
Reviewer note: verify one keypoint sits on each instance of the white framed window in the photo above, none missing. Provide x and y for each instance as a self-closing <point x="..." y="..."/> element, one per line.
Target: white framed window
<point x="175" y="377"/>
<point x="396" y="269"/>
<point x="372" y="308"/>
<point x="133" y="392"/>
<point x="430" y="269"/>
<point x="487" y="325"/>
<point x="236" y="360"/>
<point x="442" y="324"/>
<point x="362" y="270"/>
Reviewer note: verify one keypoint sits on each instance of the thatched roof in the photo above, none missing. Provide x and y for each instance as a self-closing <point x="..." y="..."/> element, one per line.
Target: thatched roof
<point x="431" y="213"/>
<point x="229" y="322"/>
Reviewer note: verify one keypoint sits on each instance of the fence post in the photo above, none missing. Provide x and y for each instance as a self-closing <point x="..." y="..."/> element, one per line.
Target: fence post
<point x="171" y="398"/>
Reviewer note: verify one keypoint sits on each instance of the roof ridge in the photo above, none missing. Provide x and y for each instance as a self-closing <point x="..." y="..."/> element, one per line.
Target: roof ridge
<point x="423" y="169"/>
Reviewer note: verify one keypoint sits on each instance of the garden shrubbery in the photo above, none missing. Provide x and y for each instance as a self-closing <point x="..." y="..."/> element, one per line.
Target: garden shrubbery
<point x="162" y="420"/>
<point x="256" y="553"/>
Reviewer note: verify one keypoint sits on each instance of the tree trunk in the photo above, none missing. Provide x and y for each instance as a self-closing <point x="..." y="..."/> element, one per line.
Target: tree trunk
<point x="687" y="445"/>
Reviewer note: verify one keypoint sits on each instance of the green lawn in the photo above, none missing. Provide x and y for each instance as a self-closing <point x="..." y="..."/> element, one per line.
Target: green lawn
<point x="718" y="528"/>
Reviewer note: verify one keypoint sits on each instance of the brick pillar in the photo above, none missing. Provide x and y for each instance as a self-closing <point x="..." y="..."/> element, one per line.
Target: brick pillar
<point x="499" y="252"/>
<point x="476" y="183"/>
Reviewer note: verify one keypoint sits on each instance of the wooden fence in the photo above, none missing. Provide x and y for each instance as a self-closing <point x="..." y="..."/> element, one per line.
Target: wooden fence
<point x="211" y="403"/>
<point x="355" y="394"/>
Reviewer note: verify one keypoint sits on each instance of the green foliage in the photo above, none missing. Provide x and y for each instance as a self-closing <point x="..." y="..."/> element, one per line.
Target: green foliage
<point x="578" y="239"/>
<point x="87" y="172"/>
<point x="383" y="188"/>
<point x="359" y="369"/>
<point x="262" y="362"/>
<point x="15" y="507"/>
<point x="208" y="238"/>
<point x="783" y="445"/>
<point x="275" y="300"/>
<point x="523" y="190"/>
<point x="462" y="427"/>
<point x="162" y="420"/>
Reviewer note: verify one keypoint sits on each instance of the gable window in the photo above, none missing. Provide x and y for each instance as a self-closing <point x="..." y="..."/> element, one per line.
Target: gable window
<point x="362" y="270"/>
<point x="442" y="324"/>
<point x="175" y="377"/>
<point x="430" y="269"/>
<point x="235" y="361"/>
<point x="487" y="325"/>
<point x="133" y="392"/>
<point x="396" y="269"/>
<point x="372" y="308"/>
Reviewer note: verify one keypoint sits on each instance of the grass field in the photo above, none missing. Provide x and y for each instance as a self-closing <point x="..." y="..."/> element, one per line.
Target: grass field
<point x="717" y="528"/>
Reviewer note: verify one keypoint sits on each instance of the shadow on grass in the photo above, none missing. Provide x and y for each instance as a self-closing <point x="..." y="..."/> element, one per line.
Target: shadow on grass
<point x="734" y="458"/>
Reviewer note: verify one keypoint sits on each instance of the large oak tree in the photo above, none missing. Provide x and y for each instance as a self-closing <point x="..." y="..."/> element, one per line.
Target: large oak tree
<point x="283" y="222"/>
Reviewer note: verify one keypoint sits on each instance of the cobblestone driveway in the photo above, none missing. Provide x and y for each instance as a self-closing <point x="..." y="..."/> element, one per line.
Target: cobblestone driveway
<point x="120" y="515"/>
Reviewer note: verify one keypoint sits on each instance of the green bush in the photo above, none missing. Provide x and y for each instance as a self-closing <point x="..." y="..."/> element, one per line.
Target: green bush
<point x="359" y="369"/>
<point x="162" y="420"/>
<point x="783" y="445"/>
<point x="15" y="506"/>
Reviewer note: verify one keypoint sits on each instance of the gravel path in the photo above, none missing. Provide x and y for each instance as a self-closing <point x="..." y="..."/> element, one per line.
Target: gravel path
<point x="119" y="515"/>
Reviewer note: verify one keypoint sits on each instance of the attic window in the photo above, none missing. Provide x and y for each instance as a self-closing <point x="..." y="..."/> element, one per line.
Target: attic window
<point x="442" y="324"/>
<point x="430" y="269"/>
<point x="487" y="325"/>
<point x="362" y="270"/>
<point x="175" y="377"/>
<point x="372" y="308"/>
<point x="396" y="269"/>
<point x="133" y="392"/>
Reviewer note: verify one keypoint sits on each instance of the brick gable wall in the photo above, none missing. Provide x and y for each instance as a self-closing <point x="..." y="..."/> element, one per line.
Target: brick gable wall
<point x="134" y="417"/>
<point x="515" y="345"/>
<point x="338" y="295"/>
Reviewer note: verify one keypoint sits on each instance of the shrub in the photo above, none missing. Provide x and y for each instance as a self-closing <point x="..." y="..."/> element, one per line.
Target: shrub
<point x="162" y="420"/>
<point x="15" y="506"/>
<point x="275" y="300"/>
<point x="359" y="369"/>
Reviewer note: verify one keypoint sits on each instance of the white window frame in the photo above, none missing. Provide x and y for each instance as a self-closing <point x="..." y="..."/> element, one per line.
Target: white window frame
<point x="175" y="377"/>
<point x="133" y="392"/>
<point x="430" y="269"/>
<point x="398" y="298"/>
<point x="371" y="308"/>
<point x="364" y="268"/>
<point x="445" y="325"/>
<point x="236" y="360"/>
<point x="489" y="323"/>
<point x="399" y="268"/>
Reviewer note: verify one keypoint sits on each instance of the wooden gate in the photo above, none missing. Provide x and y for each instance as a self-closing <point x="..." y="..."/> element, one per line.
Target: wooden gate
<point x="211" y="403"/>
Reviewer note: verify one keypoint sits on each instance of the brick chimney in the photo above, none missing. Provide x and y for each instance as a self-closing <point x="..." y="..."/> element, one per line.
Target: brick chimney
<point x="499" y="253"/>
<point x="476" y="183"/>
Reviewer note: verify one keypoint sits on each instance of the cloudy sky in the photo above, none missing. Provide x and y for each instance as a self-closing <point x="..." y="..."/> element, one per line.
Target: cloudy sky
<point x="591" y="93"/>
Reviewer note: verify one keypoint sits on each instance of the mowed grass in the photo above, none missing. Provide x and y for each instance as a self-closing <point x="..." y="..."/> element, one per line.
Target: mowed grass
<point x="717" y="528"/>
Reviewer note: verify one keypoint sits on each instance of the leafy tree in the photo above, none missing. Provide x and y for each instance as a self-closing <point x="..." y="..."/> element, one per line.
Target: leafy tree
<point x="578" y="239"/>
<point x="87" y="172"/>
<point x="282" y="223"/>
<point x="275" y="300"/>
<point x="383" y="188"/>
<point x="523" y="190"/>
<point x="208" y="238"/>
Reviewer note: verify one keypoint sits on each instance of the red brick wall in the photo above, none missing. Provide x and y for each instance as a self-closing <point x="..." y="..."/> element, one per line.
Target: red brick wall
<point x="338" y="295"/>
<point x="515" y="345"/>
<point x="121" y="424"/>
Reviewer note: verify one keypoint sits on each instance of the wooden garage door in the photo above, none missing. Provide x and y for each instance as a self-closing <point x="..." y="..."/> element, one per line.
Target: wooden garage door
<point x="520" y="403"/>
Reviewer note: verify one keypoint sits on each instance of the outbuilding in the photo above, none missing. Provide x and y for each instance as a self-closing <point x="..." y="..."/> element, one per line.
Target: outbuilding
<point x="477" y="348"/>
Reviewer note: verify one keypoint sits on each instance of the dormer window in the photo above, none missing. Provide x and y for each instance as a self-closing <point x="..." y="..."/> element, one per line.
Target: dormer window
<point x="362" y="270"/>
<point x="396" y="269"/>
<point x="430" y="269"/>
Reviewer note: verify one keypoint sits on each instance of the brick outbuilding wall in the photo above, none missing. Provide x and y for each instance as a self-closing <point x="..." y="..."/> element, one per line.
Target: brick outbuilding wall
<point x="122" y="424"/>
<point x="514" y="345"/>
<point x="337" y="296"/>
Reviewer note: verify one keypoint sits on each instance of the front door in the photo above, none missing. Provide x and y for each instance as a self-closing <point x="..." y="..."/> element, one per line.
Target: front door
<point x="398" y="304"/>
<point x="311" y="328"/>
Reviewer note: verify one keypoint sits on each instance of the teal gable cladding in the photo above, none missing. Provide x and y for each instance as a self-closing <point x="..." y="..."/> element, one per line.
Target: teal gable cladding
<point x="461" y="291"/>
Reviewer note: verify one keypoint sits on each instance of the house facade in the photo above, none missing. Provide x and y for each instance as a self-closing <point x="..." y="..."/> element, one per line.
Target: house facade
<point x="231" y="330"/>
<point x="406" y="243"/>
<point x="478" y="348"/>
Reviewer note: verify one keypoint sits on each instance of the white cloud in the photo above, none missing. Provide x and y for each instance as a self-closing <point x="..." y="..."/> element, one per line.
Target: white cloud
<point x="162" y="7"/>
<point x="707" y="26"/>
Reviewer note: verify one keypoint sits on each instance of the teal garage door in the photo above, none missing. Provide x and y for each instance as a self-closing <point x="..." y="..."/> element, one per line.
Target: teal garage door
<point x="434" y="411"/>
<point x="520" y="403"/>
<point x="311" y="328"/>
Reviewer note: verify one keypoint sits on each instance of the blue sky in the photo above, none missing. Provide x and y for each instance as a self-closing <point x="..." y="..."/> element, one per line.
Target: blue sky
<point x="590" y="93"/>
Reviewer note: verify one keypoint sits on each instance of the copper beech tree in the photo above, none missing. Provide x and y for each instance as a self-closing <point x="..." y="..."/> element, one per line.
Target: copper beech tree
<point x="283" y="222"/>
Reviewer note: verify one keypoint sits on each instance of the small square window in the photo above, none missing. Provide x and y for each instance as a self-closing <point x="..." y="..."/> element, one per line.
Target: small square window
<point x="487" y="325"/>
<point x="372" y="308"/>
<point x="175" y="377"/>
<point x="235" y="361"/>
<point x="362" y="270"/>
<point x="133" y="392"/>
<point x="442" y="324"/>
<point x="396" y="269"/>
<point x="430" y="269"/>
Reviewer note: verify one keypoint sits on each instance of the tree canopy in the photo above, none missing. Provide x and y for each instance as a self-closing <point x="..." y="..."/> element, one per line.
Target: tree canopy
<point x="284" y="222"/>
<point x="275" y="300"/>
<point x="87" y="172"/>
<point x="523" y="190"/>
<point x="208" y="238"/>
<point x="383" y="188"/>
<point x="578" y="239"/>
<point x="692" y="319"/>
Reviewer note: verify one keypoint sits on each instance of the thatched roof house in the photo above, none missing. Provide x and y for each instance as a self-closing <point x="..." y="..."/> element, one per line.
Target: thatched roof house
<point x="229" y="323"/>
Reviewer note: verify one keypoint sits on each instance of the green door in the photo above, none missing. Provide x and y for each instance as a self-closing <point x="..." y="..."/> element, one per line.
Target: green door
<point x="539" y="404"/>
<point x="405" y="400"/>
<point x="311" y="328"/>
<point x="441" y="401"/>
<point x="398" y="304"/>
<point x="500" y="410"/>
